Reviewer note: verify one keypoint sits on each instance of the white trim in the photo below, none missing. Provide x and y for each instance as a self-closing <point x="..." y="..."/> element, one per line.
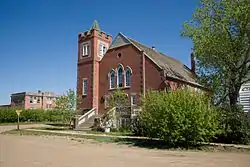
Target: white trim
<point x="88" y="43"/>
<point x="86" y="116"/>
<point x="110" y="79"/>
<point x="117" y="76"/>
<point x="130" y="69"/>
<point x="100" y="42"/>
<point x="125" y="76"/>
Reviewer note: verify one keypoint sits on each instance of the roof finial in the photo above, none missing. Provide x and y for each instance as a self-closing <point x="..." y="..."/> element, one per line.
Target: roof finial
<point x="95" y="26"/>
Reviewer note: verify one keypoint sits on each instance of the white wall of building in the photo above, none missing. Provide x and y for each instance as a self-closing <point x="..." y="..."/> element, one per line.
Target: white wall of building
<point x="245" y="97"/>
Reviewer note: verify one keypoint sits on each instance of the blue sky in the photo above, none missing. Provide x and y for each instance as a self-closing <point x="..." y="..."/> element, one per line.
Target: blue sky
<point x="38" y="39"/>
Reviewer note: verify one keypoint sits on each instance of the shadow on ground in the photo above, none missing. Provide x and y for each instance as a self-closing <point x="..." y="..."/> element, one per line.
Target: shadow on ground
<point x="159" y="144"/>
<point x="145" y="143"/>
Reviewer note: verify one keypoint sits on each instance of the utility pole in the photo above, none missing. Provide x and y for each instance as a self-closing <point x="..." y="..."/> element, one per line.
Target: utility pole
<point x="42" y="100"/>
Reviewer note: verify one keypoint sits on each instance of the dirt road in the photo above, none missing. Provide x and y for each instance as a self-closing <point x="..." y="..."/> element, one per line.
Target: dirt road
<point x="33" y="151"/>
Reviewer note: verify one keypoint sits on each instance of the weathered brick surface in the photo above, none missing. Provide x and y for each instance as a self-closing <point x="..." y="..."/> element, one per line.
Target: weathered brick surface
<point x="85" y="71"/>
<point x="129" y="57"/>
<point x="88" y="67"/>
<point x="154" y="79"/>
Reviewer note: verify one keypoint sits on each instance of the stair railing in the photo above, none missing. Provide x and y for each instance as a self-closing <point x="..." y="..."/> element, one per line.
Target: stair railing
<point x="80" y="120"/>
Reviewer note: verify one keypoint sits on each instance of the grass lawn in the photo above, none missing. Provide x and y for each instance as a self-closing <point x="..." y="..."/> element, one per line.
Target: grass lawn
<point x="67" y="128"/>
<point x="55" y="124"/>
<point x="36" y="133"/>
<point x="143" y="143"/>
<point x="21" y="123"/>
<point x="55" y="128"/>
<point x="111" y="133"/>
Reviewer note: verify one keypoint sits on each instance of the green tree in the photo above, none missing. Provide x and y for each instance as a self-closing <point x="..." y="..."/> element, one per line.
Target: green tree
<point x="118" y="99"/>
<point x="234" y="126"/>
<point x="68" y="101"/>
<point x="220" y="31"/>
<point x="67" y="104"/>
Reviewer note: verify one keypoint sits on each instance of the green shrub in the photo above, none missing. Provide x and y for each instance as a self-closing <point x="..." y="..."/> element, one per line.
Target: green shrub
<point x="8" y="115"/>
<point x="31" y="116"/>
<point x="137" y="126"/>
<point x="180" y="118"/>
<point x="234" y="126"/>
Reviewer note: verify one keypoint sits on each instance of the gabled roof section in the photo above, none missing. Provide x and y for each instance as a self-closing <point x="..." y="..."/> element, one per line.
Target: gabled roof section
<point x="120" y="40"/>
<point x="172" y="67"/>
<point x="95" y="26"/>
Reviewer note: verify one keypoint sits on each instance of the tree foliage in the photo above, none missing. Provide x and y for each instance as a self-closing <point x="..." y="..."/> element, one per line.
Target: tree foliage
<point x="118" y="99"/>
<point x="180" y="117"/>
<point x="8" y="115"/>
<point x="67" y="104"/>
<point x="234" y="126"/>
<point x="68" y="101"/>
<point x="220" y="31"/>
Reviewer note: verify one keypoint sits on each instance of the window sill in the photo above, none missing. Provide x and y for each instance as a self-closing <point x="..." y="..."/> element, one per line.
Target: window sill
<point x="84" y="95"/>
<point x="127" y="87"/>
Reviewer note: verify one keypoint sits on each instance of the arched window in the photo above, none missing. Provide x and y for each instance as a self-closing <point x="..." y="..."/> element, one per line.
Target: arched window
<point x="120" y="76"/>
<point x="112" y="79"/>
<point x="128" y="77"/>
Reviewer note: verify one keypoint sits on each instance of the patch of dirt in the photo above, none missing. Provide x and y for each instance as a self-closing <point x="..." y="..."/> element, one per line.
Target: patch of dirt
<point x="55" y="151"/>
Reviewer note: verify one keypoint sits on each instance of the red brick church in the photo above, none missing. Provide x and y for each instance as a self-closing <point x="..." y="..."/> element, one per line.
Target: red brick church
<point x="105" y="65"/>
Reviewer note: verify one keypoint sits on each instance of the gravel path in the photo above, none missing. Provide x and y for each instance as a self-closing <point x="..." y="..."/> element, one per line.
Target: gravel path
<point x="49" y="151"/>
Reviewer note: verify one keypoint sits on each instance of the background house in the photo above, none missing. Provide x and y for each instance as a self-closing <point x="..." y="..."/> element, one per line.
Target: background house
<point x="34" y="100"/>
<point x="244" y="96"/>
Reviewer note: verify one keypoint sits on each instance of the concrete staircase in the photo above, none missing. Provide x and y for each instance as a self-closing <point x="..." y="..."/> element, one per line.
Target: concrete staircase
<point x="87" y="125"/>
<point x="86" y="121"/>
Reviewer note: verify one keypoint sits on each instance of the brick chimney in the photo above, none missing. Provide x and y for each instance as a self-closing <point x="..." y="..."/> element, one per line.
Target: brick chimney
<point x="192" y="63"/>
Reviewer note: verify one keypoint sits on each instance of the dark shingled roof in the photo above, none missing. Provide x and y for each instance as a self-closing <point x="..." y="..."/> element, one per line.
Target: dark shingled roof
<point x="172" y="67"/>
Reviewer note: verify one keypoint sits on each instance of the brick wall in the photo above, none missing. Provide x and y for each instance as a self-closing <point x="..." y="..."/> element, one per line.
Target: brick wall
<point x="154" y="78"/>
<point x="88" y="67"/>
<point x="129" y="57"/>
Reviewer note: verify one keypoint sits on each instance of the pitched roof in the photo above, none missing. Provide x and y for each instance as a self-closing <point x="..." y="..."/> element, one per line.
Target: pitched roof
<point x="120" y="40"/>
<point x="171" y="66"/>
<point x="95" y="26"/>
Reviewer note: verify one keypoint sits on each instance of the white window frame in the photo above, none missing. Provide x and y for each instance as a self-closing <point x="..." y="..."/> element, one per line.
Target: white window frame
<point x="125" y="76"/>
<point x="117" y="76"/>
<point x="132" y="95"/>
<point x="84" y="81"/>
<point x="112" y="71"/>
<point x="101" y="46"/>
<point x="102" y="51"/>
<point x="85" y="49"/>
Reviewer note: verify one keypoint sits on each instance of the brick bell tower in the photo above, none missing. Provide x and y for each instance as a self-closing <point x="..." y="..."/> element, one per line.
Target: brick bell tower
<point x="92" y="45"/>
